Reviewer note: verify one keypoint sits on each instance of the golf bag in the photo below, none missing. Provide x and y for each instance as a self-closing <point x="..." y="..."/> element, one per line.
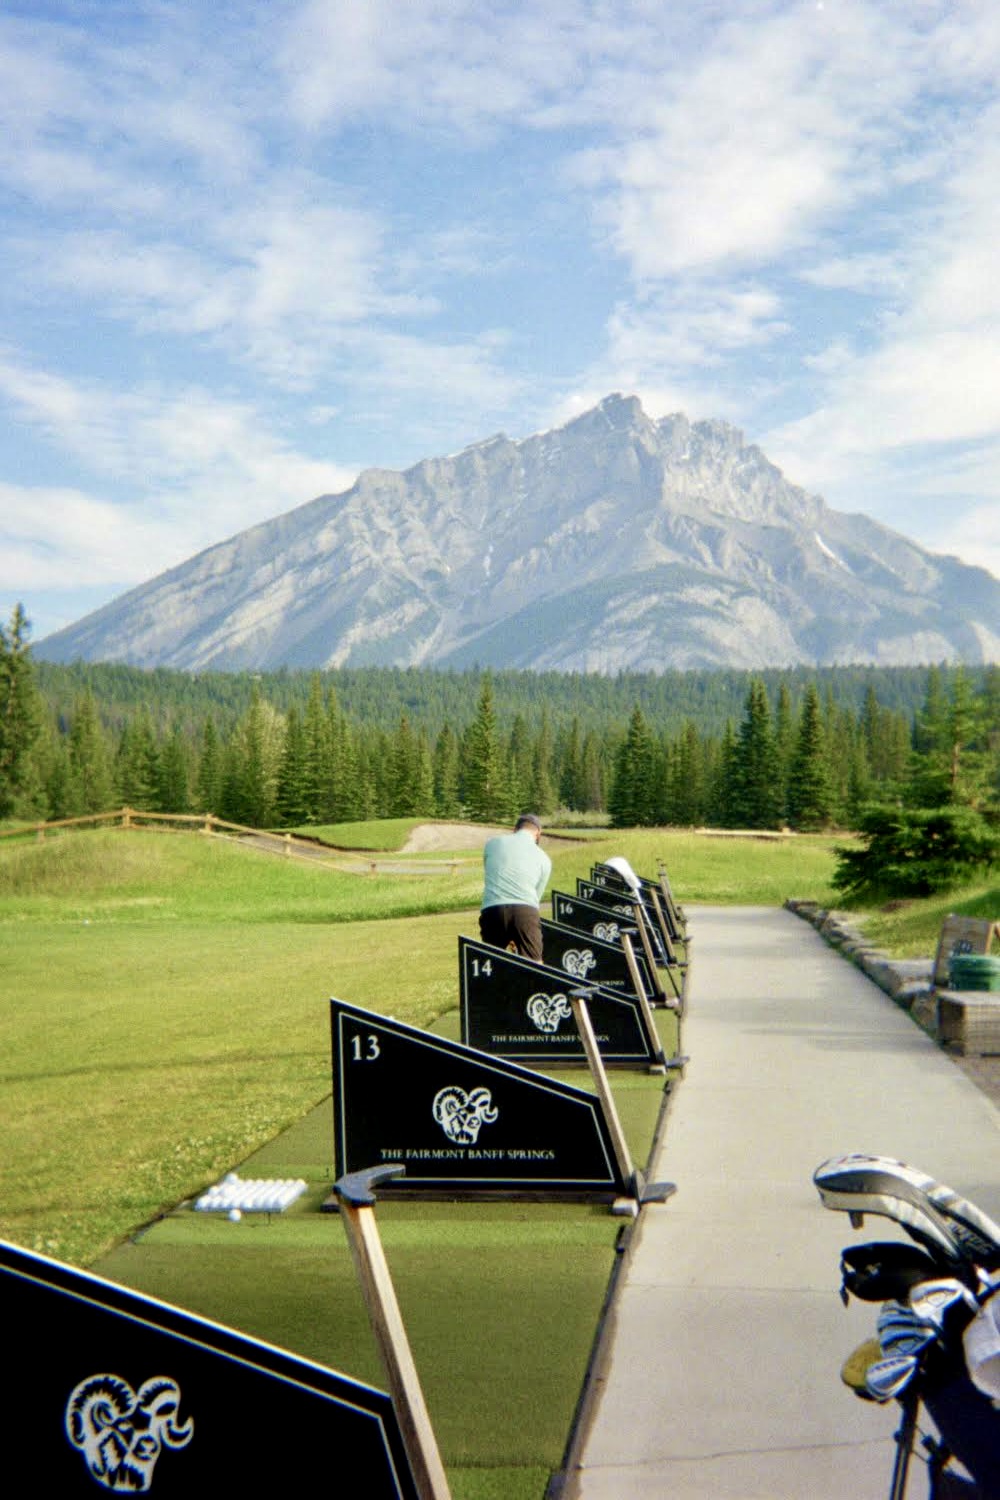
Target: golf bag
<point x="937" y="1349"/>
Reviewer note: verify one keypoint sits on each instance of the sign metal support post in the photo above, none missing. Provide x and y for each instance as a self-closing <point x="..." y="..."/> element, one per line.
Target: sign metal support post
<point x="357" y="1202"/>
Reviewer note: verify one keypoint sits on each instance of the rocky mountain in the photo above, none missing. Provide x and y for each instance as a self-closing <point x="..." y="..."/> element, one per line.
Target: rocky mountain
<point x="613" y="542"/>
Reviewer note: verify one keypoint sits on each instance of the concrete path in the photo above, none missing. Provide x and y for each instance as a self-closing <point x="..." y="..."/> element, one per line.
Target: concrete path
<point x="723" y="1357"/>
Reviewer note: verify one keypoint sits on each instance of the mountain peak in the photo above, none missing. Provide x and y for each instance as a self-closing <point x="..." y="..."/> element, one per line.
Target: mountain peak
<point x="613" y="542"/>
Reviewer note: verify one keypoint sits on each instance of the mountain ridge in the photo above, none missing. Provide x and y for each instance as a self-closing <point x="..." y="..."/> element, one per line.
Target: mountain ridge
<point x="613" y="542"/>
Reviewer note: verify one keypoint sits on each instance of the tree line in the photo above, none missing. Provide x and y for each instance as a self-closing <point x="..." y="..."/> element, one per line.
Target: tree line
<point x="290" y="749"/>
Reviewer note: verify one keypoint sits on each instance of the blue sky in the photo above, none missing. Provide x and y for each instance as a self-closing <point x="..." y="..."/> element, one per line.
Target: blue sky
<point x="248" y="249"/>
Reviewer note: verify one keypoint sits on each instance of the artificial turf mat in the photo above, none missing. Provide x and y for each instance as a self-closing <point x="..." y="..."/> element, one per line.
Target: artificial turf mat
<point x="501" y="1301"/>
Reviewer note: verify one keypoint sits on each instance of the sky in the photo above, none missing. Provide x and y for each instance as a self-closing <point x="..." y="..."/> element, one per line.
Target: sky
<point x="251" y="247"/>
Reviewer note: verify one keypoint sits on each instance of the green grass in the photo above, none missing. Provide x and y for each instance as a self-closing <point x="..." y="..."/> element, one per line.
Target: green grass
<point x="711" y="870"/>
<point x="910" y="929"/>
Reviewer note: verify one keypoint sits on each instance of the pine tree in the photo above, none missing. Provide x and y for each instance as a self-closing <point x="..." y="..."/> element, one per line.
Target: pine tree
<point x="173" y="774"/>
<point x="89" y="759"/>
<point x="632" y="802"/>
<point x="20" y="710"/>
<point x="402" y="793"/>
<point x="446" y="803"/>
<point x="758" y="791"/>
<point x="257" y="743"/>
<point x="723" y="802"/>
<point x="423" y="784"/>
<point x="542" y="796"/>
<point x="687" y="779"/>
<point x="810" y="799"/>
<point x="321" y="732"/>
<point x="211" y="771"/>
<point x="571" y="773"/>
<point x="519" y="767"/>
<point x="293" y="773"/>
<point x="137" y="764"/>
<point x="592" y="795"/>
<point x="485" y="784"/>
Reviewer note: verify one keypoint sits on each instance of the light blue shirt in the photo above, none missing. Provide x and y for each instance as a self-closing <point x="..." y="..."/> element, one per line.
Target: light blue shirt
<point x="516" y="870"/>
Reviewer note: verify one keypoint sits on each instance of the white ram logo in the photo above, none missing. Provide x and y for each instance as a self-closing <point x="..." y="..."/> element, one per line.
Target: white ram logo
<point x="606" y="931"/>
<point x="578" y="962"/>
<point x="121" y="1432"/>
<point x="546" y="1011"/>
<point x="461" y="1115"/>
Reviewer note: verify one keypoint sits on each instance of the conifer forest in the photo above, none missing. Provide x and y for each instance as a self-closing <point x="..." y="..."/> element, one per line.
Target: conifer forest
<point x="789" y="748"/>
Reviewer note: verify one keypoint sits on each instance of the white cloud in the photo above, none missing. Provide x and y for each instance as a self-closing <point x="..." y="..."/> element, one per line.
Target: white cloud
<point x="184" y="470"/>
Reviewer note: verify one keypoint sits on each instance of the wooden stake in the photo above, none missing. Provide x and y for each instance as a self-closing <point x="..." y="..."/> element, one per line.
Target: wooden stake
<point x="357" y="1202"/>
<point x="578" y="999"/>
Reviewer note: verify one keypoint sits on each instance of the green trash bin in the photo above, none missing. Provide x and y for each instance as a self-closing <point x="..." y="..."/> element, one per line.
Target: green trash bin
<point x="974" y="971"/>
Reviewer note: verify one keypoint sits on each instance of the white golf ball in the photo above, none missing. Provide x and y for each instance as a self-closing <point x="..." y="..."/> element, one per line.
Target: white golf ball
<point x="234" y="1216"/>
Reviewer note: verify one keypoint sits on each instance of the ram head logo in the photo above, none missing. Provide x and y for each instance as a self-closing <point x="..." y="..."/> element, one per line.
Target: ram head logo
<point x="462" y="1116"/>
<point x="578" y="962"/>
<point x="606" y="931"/>
<point x="546" y="1011"/>
<point x="121" y="1432"/>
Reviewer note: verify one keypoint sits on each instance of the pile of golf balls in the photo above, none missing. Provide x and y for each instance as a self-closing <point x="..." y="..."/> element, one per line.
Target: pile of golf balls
<point x="237" y="1196"/>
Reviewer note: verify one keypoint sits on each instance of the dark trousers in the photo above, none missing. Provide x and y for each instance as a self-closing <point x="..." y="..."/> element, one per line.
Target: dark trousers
<point x="516" y="927"/>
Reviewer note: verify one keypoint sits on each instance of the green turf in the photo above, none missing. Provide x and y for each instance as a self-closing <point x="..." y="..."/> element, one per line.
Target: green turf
<point x="500" y="1300"/>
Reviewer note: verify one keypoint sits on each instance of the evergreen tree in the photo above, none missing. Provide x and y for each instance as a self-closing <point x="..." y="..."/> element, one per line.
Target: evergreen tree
<point x="210" y="780"/>
<point x="61" y="791"/>
<point x="137" y="764"/>
<point x="542" y="795"/>
<point x="321" y="734"/>
<point x="446" y="803"/>
<point x="810" y="800"/>
<point x="632" y="802"/>
<point x="258" y="743"/>
<point x="785" y="738"/>
<point x="20" y="710"/>
<point x="404" y="791"/>
<point x="173" y="774"/>
<point x="423" y="785"/>
<point x="89" y="760"/>
<point x="293" y="800"/>
<point x="687" y="779"/>
<point x="519" y="767"/>
<point x="758" y="791"/>
<point x="571" y="773"/>
<point x="592" y="795"/>
<point x="485" y="784"/>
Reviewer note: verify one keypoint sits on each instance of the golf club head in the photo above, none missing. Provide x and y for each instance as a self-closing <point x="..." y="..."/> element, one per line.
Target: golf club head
<point x="932" y="1301"/>
<point x="931" y="1213"/>
<point x="888" y="1378"/>
<point x="902" y="1332"/>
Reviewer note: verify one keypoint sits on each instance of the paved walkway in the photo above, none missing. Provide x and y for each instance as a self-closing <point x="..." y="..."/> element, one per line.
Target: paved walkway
<point x="721" y="1378"/>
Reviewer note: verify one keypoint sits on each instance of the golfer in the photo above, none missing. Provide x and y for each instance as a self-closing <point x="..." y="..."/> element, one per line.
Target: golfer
<point x="516" y="872"/>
